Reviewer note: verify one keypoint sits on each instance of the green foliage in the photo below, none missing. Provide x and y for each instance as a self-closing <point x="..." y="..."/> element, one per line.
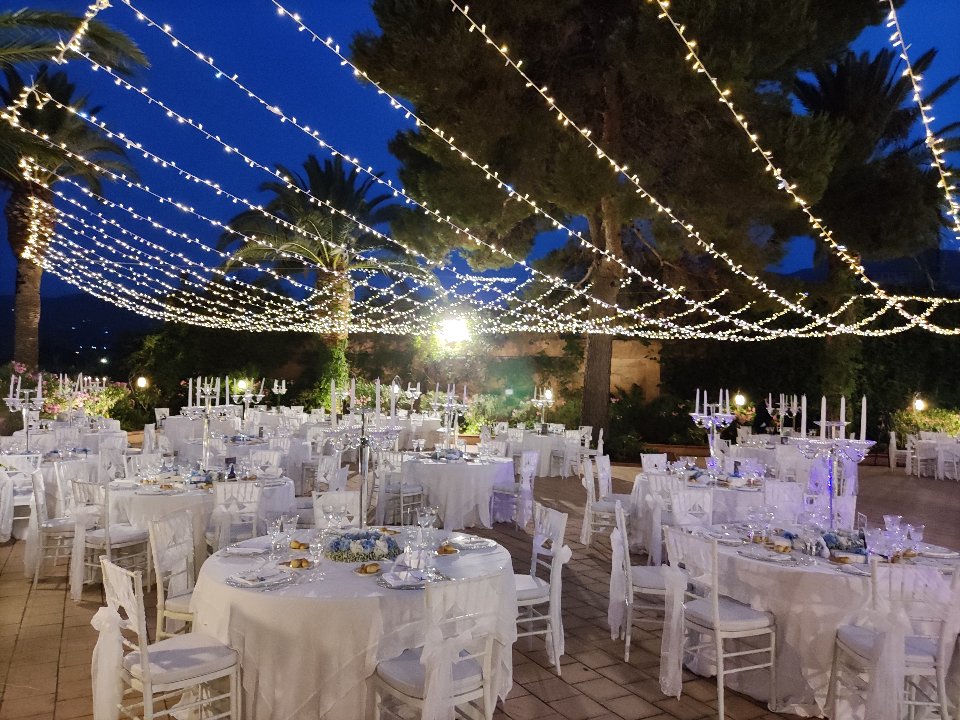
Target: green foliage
<point x="665" y="419"/>
<point x="909" y="422"/>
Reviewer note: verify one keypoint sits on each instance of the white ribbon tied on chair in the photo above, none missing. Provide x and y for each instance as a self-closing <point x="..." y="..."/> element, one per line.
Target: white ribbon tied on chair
<point x="617" y="605"/>
<point x="105" y="669"/>
<point x="655" y="529"/>
<point x="6" y="506"/>
<point x="671" y="644"/>
<point x="885" y="691"/>
<point x="31" y="551"/>
<point x="585" y="526"/>
<point x="555" y="640"/>
<point x="223" y="518"/>
<point x="83" y="517"/>
<point x="439" y="655"/>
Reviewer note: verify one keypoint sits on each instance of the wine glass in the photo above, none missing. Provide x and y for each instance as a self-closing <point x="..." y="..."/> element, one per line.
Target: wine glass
<point x="275" y="529"/>
<point x="892" y="522"/>
<point x="915" y="534"/>
<point x="329" y="511"/>
<point x="289" y="525"/>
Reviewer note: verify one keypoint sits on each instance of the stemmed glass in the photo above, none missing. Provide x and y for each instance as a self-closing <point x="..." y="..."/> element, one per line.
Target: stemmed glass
<point x="425" y="518"/>
<point x="892" y="522"/>
<point x="915" y="535"/>
<point x="275" y="529"/>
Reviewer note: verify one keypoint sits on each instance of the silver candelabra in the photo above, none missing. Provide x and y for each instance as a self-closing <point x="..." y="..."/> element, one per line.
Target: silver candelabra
<point x="835" y="449"/>
<point x="22" y="403"/>
<point x="713" y="419"/>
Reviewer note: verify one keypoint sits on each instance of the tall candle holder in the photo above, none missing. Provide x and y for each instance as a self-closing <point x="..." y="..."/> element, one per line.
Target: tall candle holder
<point x="542" y="402"/>
<point x="353" y="437"/>
<point x="834" y="449"/>
<point x="22" y="403"/>
<point x="712" y="420"/>
<point x="411" y="395"/>
<point x="279" y="389"/>
<point x="247" y="397"/>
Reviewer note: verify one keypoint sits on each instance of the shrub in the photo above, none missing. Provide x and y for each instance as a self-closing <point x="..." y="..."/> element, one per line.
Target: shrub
<point x="910" y="422"/>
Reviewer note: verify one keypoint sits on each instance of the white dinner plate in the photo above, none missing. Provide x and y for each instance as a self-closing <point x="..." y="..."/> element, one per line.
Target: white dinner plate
<point x="261" y="578"/>
<point x="936" y="551"/>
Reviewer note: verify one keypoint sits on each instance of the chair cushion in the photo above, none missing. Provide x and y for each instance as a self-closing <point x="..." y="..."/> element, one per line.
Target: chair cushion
<point x="604" y="506"/>
<point x="120" y="534"/>
<point x="734" y="616"/>
<point x="530" y="587"/>
<point x="408" y="489"/>
<point x="182" y="657"/>
<point x="860" y="641"/>
<point x="178" y="603"/>
<point x="59" y="525"/>
<point x="625" y="499"/>
<point x="406" y="674"/>
<point x="646" y="577"/>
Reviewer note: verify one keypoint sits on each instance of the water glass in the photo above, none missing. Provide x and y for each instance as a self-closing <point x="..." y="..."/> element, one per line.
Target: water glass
<point x="289" y="525"/>
<point x="891" y="522"/>
<point x="915" y="533"/>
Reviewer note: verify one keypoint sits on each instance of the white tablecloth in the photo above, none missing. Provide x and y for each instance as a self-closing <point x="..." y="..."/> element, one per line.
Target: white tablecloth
<point x="544" y="444"/>
<point x="462" y="490"/>
<point x="309" y="649"/>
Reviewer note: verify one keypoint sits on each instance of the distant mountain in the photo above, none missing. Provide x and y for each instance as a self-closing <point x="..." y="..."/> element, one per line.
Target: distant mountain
<point x="76" y="332"/>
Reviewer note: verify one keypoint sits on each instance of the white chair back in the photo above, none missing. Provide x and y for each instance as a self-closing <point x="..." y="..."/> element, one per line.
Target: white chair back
<point x="653" y="462"/>
<point x="497" y="448"/>
<point x="604" y="475"/>
<point x="692" y="506"/>
<point x="786" y="498"/>
<point x="266" y="460"/>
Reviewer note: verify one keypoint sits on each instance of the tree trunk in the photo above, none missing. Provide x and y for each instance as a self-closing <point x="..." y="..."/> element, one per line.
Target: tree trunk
<point x="338" y="311"/>
<point x="29" y="255"/>
<point x="841" y="360"/>
<point x="595" y="407"/>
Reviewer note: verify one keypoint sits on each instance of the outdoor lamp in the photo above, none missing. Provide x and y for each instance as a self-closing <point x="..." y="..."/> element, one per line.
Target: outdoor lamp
<point x="739" y="400"/>
<point x="241" y="385"/>
<point x="548" y="394"/>
<point x="453" y="330"/>
<point x="919" y="404"/>
<point x="142" y="383"/>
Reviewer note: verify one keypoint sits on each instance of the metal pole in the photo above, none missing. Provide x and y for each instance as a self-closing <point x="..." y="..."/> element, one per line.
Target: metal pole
<point x="364" y="464"/>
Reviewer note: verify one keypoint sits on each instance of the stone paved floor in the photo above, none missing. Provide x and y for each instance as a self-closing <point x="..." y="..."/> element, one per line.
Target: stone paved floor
<point x="46" y="639"/>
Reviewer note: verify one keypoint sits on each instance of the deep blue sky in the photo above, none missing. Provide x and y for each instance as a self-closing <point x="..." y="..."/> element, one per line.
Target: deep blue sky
<point x="271" y="57"/>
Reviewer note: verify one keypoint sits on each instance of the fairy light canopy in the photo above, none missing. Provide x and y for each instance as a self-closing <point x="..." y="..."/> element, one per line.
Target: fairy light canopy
<point x="150" y="245"/>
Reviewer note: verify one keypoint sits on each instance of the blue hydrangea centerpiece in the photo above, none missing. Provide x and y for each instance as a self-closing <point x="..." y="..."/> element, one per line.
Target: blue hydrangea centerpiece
<point x="360" y="546"/>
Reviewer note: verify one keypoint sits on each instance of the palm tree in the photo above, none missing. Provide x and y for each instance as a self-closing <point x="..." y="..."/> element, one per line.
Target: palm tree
<point x="82" y="139"/>
<point x="28" y="37"/>
<point x="33" y="36"/>
<point x="295" y="246"/>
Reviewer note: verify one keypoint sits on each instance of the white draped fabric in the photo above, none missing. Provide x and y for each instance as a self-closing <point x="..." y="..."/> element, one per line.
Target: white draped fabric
<point x="6" y="506"/>
<point x="308" y="649"/>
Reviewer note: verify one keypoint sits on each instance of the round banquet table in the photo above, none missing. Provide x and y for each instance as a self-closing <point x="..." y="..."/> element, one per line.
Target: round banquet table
<point x="309" y="649"/>
<point x="809" y="603"/>
<point x="461" y="489"/>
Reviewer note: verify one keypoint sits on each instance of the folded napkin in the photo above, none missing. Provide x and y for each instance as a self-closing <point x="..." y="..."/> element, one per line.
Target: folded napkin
<point x="405" y="578"/>
<point x="411" y="559"/>
<point x="243" y="551"/>
<point x="260" y="577"/>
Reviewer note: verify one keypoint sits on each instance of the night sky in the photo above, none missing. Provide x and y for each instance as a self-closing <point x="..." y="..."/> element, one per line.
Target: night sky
<point x="250" y="38"/>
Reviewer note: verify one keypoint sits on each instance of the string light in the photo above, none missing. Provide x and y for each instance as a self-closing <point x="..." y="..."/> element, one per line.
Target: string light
<point x="282" y="117"/>
<point x="73" y="256"/>
<point x="621" y="170"/>
<point x="783" y="184"/>
<point x="933" y="143"/>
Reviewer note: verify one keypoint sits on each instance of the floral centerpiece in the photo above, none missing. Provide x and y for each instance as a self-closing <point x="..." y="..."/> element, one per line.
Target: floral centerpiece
<point x="361" y="546"/>
<point x="850" y="541"/>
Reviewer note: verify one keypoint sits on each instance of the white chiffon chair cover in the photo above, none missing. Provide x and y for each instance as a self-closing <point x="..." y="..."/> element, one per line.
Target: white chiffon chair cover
<point x="672" y="639"/>
<point x="149" y="438"/>
<point x="474" y="602"/>
<point x="31" y="550"/>
<point x="346" y="498"/>
<point x="6" y="506"/>
<point x="619" y="590"/>
<point x="235" y="502"/>
<point x="889" y="618"/>
<point x="84" y="516"/>
<point x="692" y="506"/>
<point x="653" y="537"/>
<point x="107" y="662"/>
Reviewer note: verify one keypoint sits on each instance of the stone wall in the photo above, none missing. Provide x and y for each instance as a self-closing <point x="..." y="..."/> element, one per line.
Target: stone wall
<point x="633" y="361"/>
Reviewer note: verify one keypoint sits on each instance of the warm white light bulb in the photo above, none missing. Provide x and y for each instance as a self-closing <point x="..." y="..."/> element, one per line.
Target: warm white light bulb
<point x="142" y="382"/>
<point x="919" y="404"/>
<point x="739" y="400"/>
